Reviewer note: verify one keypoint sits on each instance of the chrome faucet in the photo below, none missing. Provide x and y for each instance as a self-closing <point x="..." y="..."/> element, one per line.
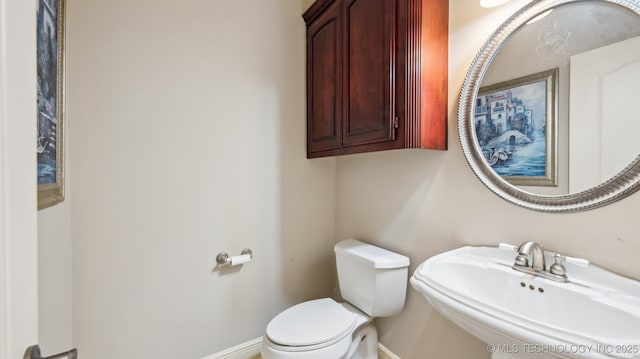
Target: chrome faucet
<point x="530" y="260"/>
<point x="531" y="254"/>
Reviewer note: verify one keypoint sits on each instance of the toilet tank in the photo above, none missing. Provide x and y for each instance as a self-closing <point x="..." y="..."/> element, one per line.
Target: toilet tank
<point x="371" y="278"/>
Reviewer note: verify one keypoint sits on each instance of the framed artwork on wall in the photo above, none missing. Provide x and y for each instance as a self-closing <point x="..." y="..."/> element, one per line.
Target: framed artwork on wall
<point x="515" y="125"/>
<point x="51" y="75"/>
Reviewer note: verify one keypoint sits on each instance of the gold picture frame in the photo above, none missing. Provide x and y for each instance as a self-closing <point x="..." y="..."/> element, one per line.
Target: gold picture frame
<point x="516" y="128"/>
<point x="51" y="98"/>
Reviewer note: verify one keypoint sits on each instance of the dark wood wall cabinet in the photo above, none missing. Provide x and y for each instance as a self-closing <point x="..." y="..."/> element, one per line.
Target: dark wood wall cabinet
<point x="376" y="75"/>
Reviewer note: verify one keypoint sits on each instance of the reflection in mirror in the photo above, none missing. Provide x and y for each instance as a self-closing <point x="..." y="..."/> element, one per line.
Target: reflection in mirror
<point x="577" y="43"/>
<point x="594" y="47"/>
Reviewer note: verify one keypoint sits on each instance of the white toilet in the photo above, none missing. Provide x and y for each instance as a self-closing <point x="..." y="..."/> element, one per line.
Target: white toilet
<point x="372" y="280"/>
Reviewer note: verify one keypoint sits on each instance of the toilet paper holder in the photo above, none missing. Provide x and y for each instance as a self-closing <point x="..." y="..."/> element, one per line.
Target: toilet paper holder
<point x="223" y="257"/>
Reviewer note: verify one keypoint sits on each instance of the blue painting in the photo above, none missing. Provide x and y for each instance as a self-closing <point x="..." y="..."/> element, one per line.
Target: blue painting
<point x="515" y="128"/>
<point x="47" y="141"/>
<point x="50" y="84"/>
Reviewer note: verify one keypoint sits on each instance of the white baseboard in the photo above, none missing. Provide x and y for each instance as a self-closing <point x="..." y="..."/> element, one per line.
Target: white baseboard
<point x="385" y="353"/>
<point x="246" y="350"/>
<point x="251" y="350"/>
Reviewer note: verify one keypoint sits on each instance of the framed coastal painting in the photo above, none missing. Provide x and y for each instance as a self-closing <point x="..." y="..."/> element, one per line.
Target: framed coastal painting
<point x="515" y="124"/>
<point x="50" y="67"/>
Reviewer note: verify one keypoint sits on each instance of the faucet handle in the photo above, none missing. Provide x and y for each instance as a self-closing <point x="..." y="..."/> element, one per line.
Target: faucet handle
<point x="573" y="260"/>
<point x="558" y="268"/>
<point x="522" y="260"/>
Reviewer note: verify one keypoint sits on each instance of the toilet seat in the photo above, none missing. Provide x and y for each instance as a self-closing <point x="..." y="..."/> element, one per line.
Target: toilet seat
<point x="311" y="325"/>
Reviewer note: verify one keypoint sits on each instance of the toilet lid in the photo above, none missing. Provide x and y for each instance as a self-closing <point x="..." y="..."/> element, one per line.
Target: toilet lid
<point x="311" y="323"/>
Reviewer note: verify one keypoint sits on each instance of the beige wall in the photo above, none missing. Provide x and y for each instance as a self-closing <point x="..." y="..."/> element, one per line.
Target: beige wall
<point x="421" y="203"/>
<point x="186" y="122"/>
<point x="189" y="139"/>
<point x="54" y="277"/>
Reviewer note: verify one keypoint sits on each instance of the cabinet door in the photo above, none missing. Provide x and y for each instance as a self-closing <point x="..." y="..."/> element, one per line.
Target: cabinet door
<point x="324" y="81"/>
<point x="369" y="57"/>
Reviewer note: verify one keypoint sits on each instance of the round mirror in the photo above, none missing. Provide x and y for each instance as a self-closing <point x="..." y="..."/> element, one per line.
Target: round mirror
<point x="547" y="116"/>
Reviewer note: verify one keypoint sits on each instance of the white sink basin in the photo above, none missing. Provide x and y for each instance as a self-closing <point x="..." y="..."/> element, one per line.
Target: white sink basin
<point x="595" y="315"/>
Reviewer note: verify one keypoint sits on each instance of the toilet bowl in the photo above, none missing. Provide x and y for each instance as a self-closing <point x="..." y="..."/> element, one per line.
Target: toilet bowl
<point x="317" y="329"/>
<point x="373" y="282"/>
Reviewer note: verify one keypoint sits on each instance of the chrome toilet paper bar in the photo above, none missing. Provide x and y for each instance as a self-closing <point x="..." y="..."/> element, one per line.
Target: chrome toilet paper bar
<point x="224" y="259"/>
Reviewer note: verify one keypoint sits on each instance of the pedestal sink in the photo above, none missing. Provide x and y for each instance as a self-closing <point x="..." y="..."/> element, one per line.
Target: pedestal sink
<point x="595" y="315"/>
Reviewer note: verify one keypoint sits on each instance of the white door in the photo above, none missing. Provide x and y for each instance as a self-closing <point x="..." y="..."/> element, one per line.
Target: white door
<point x="18" y="195"/>
<point x="603" y="113"/>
